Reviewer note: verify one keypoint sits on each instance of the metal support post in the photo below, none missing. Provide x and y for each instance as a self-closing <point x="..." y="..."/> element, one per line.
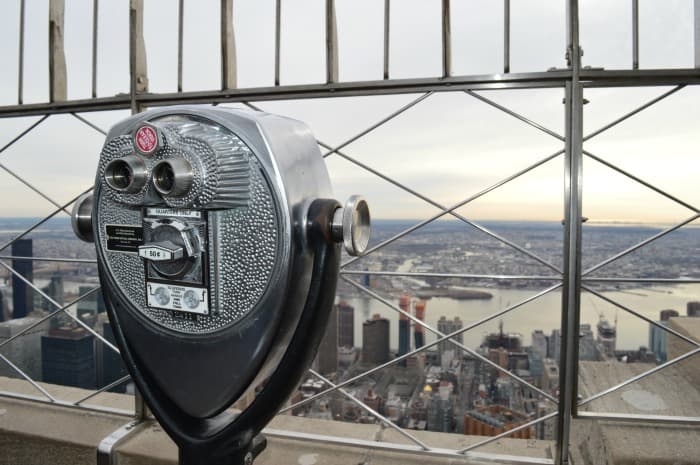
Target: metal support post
<point x="571" y="293"/>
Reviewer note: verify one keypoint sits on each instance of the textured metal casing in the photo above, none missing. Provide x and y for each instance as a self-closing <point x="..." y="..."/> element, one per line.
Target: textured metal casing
<point x="220" y="362"/>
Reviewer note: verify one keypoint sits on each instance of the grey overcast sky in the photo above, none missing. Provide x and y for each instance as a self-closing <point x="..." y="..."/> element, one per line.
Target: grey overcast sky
<point x="447" y="147"/>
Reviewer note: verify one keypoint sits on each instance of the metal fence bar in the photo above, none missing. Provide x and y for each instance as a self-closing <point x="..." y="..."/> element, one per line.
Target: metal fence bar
<point x="50" y="259"/>
<point x="509" y="432"/>
<point x="26" y="183"/>
<point x="59" y="306"/>
<point x="506" y="36"/>
<point x="461" y="346"/>
<point x="42" y="221"/>
<point x="446" y="40"/>
<point x="387" y="22"/>
<point x="278" y="31"/>
<point x="137" y="53"/>
<point x="451" y="275"/>
<point x="638" y="377"/>
<point x="643" y="280"/>
<point x="696" y="32"/>
<point x="24" y="133"/>
<point x="47" y="317"/>
<point x="633" y="112"/>
<point x="454" y="207"/>
<point x="635" y="34"/>
<point x="573" y="191"/>
<point x="20" y="70"/>
<point x="331" y="43"/>
<point x="373" y="412"/>
<point x="641" y="181"/>
<point x="477" y="457"/>
<point x="228" y="46"/>
<point x="95" y="32"/>
<point x="111" y="385"/>
<point x="180" y="41"/>
<point x="637" y="418"/>
<point x="63" y="403"/>
<point x="57" y="57"/>
<point x="27" y="377"/>
<point x="89" y="123"/>
<point x="641" y="316"/>
<point x="422" y="349"/>
<point x="641" y="244"/>
<point x="379" y="123"/>
<point x="515" y="115"/>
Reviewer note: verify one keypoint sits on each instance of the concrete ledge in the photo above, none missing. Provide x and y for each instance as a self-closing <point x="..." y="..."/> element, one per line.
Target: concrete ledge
<point x="36" y="433"/>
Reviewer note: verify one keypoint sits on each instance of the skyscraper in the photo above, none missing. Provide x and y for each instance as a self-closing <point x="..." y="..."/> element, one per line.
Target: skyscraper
<point x="111" y="366"/>
<point x="446" y="326"/>
<point x="346" y="325"/>
<point x="375" y="340"/>
<point x="22" y="297"/>
<point x="68" y="358"/>
<point x="607" y="337"/>
<point x="693" y="309"/>
<point x="419" y="331"/>
<point x="658" y="338"/>
<point x="539" y="342"/>
<point x="327" y="355"/>
<point x="404" y="327"/>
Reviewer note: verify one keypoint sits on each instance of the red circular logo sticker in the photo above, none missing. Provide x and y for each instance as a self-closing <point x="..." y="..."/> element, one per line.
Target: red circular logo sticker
<point x="146" y="139"/>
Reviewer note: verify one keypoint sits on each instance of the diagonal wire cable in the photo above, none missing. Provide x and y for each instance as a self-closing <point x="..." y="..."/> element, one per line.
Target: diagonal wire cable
<point x="59" y="306"/>
<point x="442" y="207"/>
<point x="640" y="181"/>
<point x="90" y="123"/>
<point x="111" y="385"/>
<point x="641" y="316"/>
<point x="24" y="133"/>
<point x="379" y="123"/>
<point x="421" y="274"/>
<point x="633" y="112"/>
<point x="438" y="333"/>
<point x="516" y="115"/>
<point x="50" y="259"/>
<point x="639" y="245"/>
<point x="429" y="200"/>
<point x="508" y="432"/>
<point x="639" y="376"/>
<point x="43" y="220"/>
<point x="26" y="183"/>
<point x="455" y="207"/>
<point x="373" y="412"/>
<point x="48" y="317"/>
<point x="27" y="377"/>
<point x="422" y="349"/>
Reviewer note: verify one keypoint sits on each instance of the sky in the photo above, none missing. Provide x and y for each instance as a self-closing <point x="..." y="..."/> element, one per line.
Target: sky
<point x="447" y="147"/>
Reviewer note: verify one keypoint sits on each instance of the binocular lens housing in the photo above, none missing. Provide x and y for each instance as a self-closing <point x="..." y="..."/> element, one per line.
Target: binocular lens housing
<point x="128" y="174"/>
<point x="173" y="177"/>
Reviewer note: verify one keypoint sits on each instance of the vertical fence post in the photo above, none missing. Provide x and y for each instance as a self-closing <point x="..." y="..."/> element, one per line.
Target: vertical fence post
<point x="278" y="39"/>
<point x="696" y="29"/>
<point x="95" y="17"/>
<point x="387" y="17"/>
<point x="57" y="57"/>
<point x="446" y="40"/>
<point x="180" y="41"/>
<point x="331" y="43"/>
<point x="635" y="34"/>
<point x="137" y="53"/>
<point x="20" y="72"/>
<point x="571" y="292"/>
<point x="506" y="36"/>
<point x="228" y="46"/>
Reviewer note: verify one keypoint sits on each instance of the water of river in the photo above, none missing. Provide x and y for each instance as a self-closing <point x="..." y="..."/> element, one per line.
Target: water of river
<point x="543" y="313"/>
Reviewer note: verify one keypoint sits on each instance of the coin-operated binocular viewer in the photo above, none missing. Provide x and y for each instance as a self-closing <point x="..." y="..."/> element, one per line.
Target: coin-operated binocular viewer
<point x="218" y="247"/>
